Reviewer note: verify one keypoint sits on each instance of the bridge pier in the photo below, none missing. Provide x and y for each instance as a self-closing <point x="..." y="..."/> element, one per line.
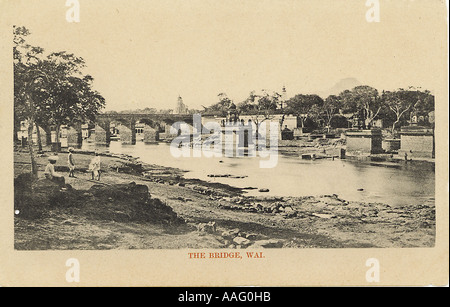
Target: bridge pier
<point x="102" y="134"/>
<point x="127" y="133"/>
<point x="150" y="135"/>
<point x="44" y="137"/>
<point x="245" y="141"/>
<point x="128" y="126"/>
<point x="74" y="136"/>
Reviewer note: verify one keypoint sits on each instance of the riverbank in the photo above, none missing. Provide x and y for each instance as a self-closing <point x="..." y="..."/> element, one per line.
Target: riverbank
<point x="207" y="215"/>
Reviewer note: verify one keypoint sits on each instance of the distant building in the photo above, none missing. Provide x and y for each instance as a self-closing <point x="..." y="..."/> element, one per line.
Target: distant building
<point x="181" y="108"/>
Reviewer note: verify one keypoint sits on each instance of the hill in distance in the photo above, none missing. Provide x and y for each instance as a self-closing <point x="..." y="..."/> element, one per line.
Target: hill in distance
<point x="342" y="85"/>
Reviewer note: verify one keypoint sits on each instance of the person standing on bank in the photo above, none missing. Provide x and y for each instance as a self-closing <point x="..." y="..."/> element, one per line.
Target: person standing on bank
<point x="50" y="173"/>
<point x="71" y="162"/>
<point x="94" y="167"/>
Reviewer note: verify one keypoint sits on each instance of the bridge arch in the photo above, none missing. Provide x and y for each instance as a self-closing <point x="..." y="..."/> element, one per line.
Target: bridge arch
<point x="152" y="126"/>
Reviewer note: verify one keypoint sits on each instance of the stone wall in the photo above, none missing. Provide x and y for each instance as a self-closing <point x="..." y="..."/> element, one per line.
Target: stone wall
<point x="417" y="146"/>
<point x="417" y="142"/>
<point x="363" y="142"/>
<point x="391" y="145"/>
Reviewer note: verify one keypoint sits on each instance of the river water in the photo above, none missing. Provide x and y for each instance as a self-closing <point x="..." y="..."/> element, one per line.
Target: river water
<point x="292" y="176"/>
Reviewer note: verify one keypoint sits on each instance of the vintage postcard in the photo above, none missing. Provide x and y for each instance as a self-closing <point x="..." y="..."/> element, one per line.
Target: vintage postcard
<point x="224" y="143"/>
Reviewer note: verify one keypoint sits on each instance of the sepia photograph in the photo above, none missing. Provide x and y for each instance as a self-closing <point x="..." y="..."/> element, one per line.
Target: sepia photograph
<point x="227" y="131"/>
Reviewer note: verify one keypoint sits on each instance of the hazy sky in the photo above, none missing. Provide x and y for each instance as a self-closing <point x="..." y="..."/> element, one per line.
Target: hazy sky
<point x="146" y="53"/>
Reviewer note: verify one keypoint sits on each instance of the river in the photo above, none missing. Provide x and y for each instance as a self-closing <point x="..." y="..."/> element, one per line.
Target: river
<point x="292" y="176"/>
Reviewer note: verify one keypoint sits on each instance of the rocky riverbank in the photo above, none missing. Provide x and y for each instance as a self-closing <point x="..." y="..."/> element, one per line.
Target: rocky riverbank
<point x="140" y="206"/>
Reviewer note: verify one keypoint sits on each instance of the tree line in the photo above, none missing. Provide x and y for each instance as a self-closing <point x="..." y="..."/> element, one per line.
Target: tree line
<point x="50" y="90"/>
<point x="149" y="110"/>
<point x="364" y="103"/>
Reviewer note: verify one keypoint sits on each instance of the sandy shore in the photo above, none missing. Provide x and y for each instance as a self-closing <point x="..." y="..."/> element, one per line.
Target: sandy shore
<point x="212" y="215"/>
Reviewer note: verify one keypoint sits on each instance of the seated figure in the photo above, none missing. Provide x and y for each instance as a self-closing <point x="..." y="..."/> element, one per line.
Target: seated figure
<point x="50" y="173"/>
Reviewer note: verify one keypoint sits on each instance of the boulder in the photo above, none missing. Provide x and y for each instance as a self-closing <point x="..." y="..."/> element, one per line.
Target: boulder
<point x="207" y="227"/>
<point x="243" y="242"/>
<point x="289" y="212"/>
<point x="231" y="234"/>
<point x="251" y="236"/>
<point x="288" y="209"/>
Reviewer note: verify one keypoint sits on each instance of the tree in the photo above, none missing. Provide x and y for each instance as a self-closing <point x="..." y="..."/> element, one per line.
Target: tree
<point x="328" y="110"/>
<point x="221" y="107"/>
<point x="68" y="98"/>
<point x="424" y="102"/>
<point x="365" y="100"/>
<point x="406" y="103"/>
<point x="49" y="90"/>
<point x="165" y="111"/>
<point x="399" y="103"/>
<point x="303" y="106"/>
<point x="261" y="107"/>
<point x="28" y="83"/>
<point x="347" y="105"/>
<point x="149" y="110"/>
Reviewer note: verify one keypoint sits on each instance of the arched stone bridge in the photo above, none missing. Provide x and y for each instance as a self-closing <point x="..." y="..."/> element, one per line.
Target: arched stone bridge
<point x="152" y="125"/>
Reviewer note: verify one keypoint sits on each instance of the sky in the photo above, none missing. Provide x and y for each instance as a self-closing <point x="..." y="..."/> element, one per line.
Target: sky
<point x="147" y="53"/>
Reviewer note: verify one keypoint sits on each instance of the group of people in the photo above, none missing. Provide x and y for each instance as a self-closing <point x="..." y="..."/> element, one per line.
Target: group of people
<point x="51" y="174"/>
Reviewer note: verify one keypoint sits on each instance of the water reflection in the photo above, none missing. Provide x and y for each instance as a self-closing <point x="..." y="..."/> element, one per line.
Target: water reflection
<point x="410" y="184"/>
